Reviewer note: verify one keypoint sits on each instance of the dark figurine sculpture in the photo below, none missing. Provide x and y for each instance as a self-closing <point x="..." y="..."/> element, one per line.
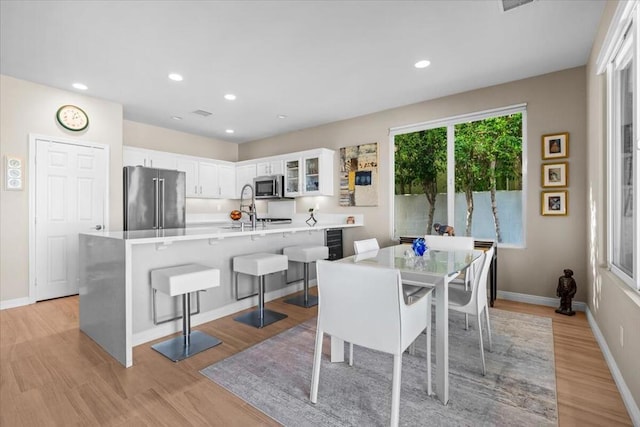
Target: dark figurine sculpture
<point x="443" y="229"/>
<point x="566" y="290"/>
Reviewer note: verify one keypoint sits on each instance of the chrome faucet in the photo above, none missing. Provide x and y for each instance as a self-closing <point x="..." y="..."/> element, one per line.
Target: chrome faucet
<point x="251" y="207"/>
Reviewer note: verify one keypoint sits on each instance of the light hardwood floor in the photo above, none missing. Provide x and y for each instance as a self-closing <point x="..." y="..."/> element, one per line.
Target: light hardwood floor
<point x="52" y="374"/>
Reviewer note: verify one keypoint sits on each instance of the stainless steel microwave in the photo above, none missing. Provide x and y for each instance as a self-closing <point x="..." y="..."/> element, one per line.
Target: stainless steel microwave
<point x="269" y="187"/>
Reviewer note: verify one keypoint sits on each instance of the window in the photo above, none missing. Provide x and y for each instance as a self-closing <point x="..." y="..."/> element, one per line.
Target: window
<point x="465" y="172"/>
<point x="623" y="147"/>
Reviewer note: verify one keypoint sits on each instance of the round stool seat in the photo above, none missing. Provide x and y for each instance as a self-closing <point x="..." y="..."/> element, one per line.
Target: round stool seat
<point x="259" y="264"/>
<point x="306" y="253"/>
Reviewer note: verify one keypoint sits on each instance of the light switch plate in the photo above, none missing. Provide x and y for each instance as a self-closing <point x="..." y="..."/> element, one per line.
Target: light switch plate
<point x="14" y="175"/>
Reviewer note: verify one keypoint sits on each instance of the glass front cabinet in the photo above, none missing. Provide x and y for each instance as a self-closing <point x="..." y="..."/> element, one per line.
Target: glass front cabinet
<point x="292" y="169"/>
<point x="309" y="173"/>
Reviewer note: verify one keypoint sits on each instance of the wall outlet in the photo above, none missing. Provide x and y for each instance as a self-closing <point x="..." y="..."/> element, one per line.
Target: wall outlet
<point x="621" y="336"/>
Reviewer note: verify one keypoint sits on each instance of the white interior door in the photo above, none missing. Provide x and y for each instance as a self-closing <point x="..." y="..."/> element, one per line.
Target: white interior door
<point x="70" y="199"/>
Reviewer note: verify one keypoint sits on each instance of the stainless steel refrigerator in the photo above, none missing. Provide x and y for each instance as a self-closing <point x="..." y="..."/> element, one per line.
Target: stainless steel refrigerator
<point x="153" y="198"/>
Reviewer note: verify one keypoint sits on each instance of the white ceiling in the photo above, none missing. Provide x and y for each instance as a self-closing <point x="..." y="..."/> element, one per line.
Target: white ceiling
<point x="314" y="61"/>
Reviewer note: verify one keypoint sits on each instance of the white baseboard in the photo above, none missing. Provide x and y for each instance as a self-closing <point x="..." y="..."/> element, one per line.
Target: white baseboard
<point x="627" y="397"/>
<point x="13" y="303"/>
<point x="198" y="319"/>
<point x="534" y="299"/>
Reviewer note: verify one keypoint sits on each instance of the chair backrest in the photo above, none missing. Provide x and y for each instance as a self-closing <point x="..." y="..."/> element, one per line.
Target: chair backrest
<point x="480" y="283"/>
<point x="366" y="245"/>
<point x="449" y="242"/>
<point x="361" y="304"/>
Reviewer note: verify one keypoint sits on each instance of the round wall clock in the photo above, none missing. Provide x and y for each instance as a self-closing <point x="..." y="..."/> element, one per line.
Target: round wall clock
<point x="72" y="117"/>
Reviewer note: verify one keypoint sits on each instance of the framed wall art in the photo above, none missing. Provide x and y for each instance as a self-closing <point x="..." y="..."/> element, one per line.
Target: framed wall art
<point x="555" y="203"/>
<point x="555" y="174"/>
<point x="555" y="146"/>
<point x="359" y="175"/>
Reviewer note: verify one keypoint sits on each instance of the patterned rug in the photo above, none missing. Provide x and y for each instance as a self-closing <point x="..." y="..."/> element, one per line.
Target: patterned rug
<point x="519" y="388"/>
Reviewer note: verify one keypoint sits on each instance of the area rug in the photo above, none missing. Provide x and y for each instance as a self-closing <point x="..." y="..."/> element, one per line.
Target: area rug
<point x="519" y="388"/>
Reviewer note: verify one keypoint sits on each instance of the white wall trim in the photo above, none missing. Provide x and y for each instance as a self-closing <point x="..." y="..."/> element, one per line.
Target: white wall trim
<point x="13" y="303"/>
<point x="612" y="41"/>
<point x="31" y="185"/>
<point x="538" y="300"/>
<point x="454" y="120"/>
<point x="627" y="397"/>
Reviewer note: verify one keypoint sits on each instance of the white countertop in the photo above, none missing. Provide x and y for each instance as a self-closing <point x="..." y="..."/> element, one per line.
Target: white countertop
<point x="213" y="232"/>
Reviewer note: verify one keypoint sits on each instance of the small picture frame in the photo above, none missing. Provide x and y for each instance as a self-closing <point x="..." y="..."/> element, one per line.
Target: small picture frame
<point x="555" y="175"/>
<point x="555" y="203"/>
<point x="555" y="146"/>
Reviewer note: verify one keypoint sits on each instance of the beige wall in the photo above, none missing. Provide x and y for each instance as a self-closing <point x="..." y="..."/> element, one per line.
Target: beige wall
<point x="555" y="103"/>
<point x="28" y="108"/>
<point x="161" y="139"/>
<point x="613" y="304"/>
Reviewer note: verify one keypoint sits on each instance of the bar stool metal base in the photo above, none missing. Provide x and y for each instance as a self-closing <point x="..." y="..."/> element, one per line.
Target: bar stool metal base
<point x="312" y="301"/>
<point x="253" y="318"/>
<point x="177" y="348"/>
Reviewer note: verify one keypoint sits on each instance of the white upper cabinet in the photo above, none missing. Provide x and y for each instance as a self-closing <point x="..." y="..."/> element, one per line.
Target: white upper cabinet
<point x="132" y="156"/>
<point x="209" y="182"/>
<point x="269" y="167"/>
<point x="317" y="172"/>
<point x="189" y="166"/>
<point x="227" y="180"/>
<point x="208" y="179"/>
<point x="306" y="173"/>
<point x="293" y="176"/>
<point x="245" y="172"/>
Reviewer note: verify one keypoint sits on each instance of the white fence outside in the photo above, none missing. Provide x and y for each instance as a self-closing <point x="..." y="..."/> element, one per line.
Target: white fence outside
<point x="411" y="213"/>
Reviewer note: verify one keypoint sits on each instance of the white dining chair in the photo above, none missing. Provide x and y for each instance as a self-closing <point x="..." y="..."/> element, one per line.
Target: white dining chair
<point x="449" y="242"/>
<point x="365" y="245"/>
<point x="474" y="301"/>
<point x="453" y="243"/>
<point x="382" y="321"/>
<point x="411" y="292"/>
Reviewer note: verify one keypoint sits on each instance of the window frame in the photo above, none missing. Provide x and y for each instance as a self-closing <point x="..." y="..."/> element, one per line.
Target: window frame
<point x="621" y="47"/>
<point x="450" y="123"/>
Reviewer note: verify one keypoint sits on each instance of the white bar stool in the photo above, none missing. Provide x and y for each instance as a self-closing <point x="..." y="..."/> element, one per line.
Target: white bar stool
<point x="259" y="264"/>
<point x="305" y="254"/>
<point x="182" y="280"/>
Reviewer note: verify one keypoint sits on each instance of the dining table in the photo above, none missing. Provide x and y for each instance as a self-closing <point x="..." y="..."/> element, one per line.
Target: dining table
<point x="435" y="268"/>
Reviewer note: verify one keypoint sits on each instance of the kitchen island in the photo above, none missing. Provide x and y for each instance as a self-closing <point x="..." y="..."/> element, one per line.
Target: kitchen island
<point x="115" y="285"/>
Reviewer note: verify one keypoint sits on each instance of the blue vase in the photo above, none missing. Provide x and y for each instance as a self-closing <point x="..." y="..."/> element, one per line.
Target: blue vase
<point x="419" y="246"/>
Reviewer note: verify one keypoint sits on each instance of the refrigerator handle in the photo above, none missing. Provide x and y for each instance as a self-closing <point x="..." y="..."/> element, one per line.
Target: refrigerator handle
<point x="162" y="209"/>
<point x="155" y="204"/>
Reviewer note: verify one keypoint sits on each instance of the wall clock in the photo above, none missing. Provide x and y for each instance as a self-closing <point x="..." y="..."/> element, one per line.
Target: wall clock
<point x="72" y="118"/>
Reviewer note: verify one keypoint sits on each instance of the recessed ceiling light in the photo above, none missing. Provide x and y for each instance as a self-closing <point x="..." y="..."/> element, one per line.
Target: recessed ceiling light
<point x="422" y="64"/>
<point x="176" y="117"/>
<point x="229" y="131"/>
<point x="80" y="86"/>
<point x="282" y="116"/>
<point x="229" y="97"/>
<point x="175" y="77"/>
